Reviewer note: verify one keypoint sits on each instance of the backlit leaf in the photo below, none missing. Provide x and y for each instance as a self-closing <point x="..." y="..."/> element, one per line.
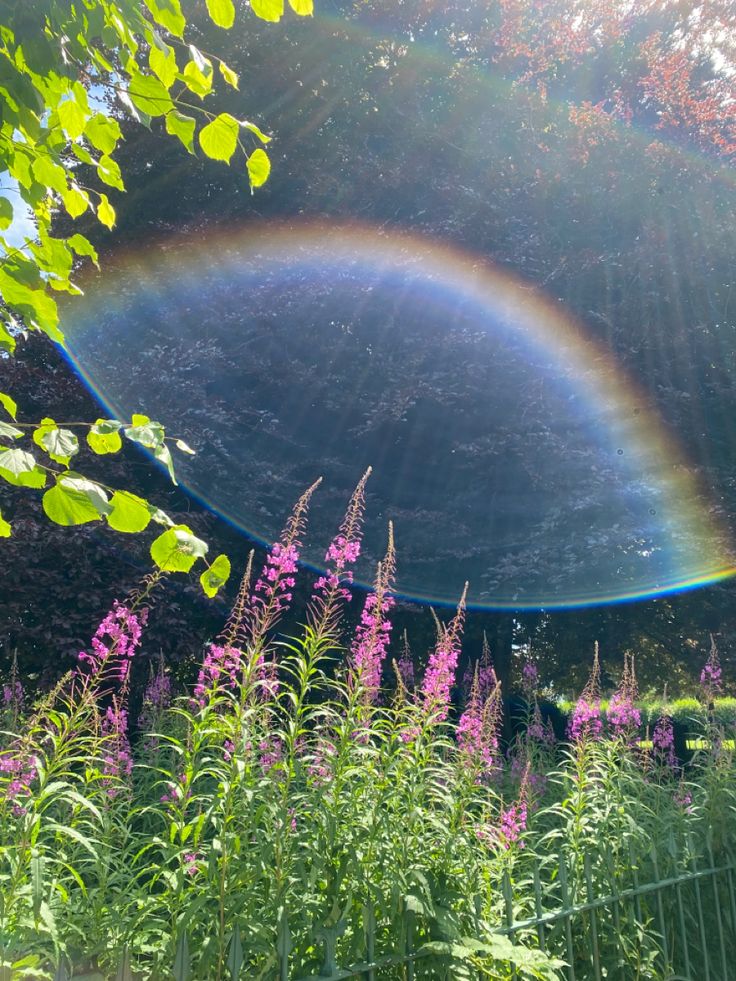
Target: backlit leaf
<point x="259" y="167"/>
<point x="104" y="436"/>
<point x="68" y="506"/>
<point x="105" y="211"/>
<point x="129" y="513"/>
<point x="216" y="576"/>
<point x="19" y="468"/>
<point x="177" y="124"/>
<point x="220" y="137"/>
<point x="9" y="404"/>
<point x="305" y="8"/>
<point x="222" y="12"/>
<point x="5" y="529"/>
<point x="177" y="549"/>
<point x="168" y="14"/>
<point x="272" y="10"/>
<point x="149" y="95"/>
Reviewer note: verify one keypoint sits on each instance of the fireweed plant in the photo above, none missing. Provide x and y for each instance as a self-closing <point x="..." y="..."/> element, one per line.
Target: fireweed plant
<point x="292" y="793"/>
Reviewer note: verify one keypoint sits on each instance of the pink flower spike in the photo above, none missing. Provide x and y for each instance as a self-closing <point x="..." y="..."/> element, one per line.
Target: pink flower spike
<point x="440" y="674"/>
<point x="272" y="592"/>
<point x="374" y="630"/>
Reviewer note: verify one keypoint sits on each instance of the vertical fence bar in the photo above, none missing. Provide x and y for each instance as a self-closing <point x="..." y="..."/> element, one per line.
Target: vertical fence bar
<point x="719" y="920"/>
<point x="701" y="921"/>
<point x="593" y="916"/>
<point x="568" y="925"/>
<point x="660" y="913"/>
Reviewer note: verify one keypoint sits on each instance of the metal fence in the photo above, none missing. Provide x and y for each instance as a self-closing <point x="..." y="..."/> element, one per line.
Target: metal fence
<point x="665" y="915"/>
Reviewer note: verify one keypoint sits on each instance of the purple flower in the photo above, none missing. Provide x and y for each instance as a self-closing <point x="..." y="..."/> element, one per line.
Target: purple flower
<point x="663" y="743"/>
<point x="405" y="666"/>
<point x="190" y="863"/>
<point x="711" y="675"/>
<point x="440" y="674"/>
<point x="273" y="590"/>
<point x="114" y="645"/>
<point x="373" y="633"/>
<point x="117" y="760"/>
<point x="478" y="728"/>
<point x="331" y="588"/>
<point x="156" y="699"/>
<point x="529" y="679"/>
<point x="585" y="721"/>
<point x="624" y="718"/>
<point x="220" y="668"/>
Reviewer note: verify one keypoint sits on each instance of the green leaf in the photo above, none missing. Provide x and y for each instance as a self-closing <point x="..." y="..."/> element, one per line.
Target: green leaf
<point x="259" y="167"/>
<point x="145" y="431"/>
<point x="185" y="447"/>
<point x="90" y="488"/>
<point x="60" y="444"/>
<point x="254" y="129"/>
<point x="103" y="132"/>
<point x="129" y="514"/>
<point x="9" y="404"/>
<point x="72" y="118"/>
<point x="67" y="506"/>
<point x="105" y="211"/>
<point x="220" y="137"/>
<point x="177" y="549"/>
<point x="197" y="75"/>
<point x="104" y="436"/>
<point x="168" y="14"/>
<point x="82" y="246"/>
<point x="229" y="75"/>
<point x="163" y="455"/>
<point x="19" y="468"/>
<point x="222" y="12"/>
<point x="177" y="124"/>
<point x="163" y="64"/>
<point x="5" y="528"/>
<point x="109" y="172"/>
<point x="235" y="954"/>
<point x="272" y="10"/>
<point x="76" y="201"/>
<point x="49" y="173"/>
<point x="6" y="213"/>
<point x="10" y="431"/>
<point x="149" y="95"/>
<point x="216" y="576"/>
<point x="305" y="8"/>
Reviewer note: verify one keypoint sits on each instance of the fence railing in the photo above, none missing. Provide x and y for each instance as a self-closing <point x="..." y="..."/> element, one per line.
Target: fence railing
<point x="659" y="915"/>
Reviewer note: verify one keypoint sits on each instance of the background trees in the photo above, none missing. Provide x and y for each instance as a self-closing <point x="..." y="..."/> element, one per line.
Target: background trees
<point x="586" y="147"/>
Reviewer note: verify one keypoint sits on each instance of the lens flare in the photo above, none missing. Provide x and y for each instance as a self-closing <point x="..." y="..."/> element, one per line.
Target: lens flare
<point x="508" y="448"/>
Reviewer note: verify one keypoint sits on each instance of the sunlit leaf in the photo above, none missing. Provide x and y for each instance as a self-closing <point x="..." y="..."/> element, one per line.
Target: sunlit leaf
<point x="177" y="124"/>
<point x="272" y="10"/>
<point x="216" y="576"/>
<point x="177" y="549"/>
<point x="130" y="513"/>
<point x="259" y="167"/>
<point x="220" y="137"/>
<point x="105" y="211"/>
<point x="222" y="12"/>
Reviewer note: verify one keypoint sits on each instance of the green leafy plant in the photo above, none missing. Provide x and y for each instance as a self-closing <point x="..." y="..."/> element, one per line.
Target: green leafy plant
<point x="64" y="66"/>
